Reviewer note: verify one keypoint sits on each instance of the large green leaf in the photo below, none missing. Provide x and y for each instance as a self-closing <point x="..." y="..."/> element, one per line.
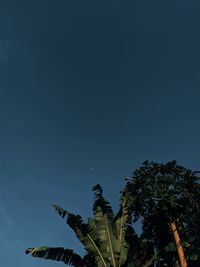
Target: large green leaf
<point x="58" y="254"/>
<point x="124" y="231"/>
<point x="86" y="233"/>
<point x="106" y="227"/>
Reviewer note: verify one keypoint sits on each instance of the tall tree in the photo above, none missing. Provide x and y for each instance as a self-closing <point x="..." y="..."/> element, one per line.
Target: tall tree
<point x="109" y="240"/>
<point x="166" y="197"/>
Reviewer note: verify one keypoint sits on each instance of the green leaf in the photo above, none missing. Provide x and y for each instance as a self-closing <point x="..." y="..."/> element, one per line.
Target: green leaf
<point x="58" y="254"/>
<point x="106" y="227"/>
<point x="122" y="218"/>
<point x="195" y="257"/>
<point x="85" y="233"/>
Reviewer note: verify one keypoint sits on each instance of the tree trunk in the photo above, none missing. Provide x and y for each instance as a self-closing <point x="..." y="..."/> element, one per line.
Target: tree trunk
<point x="179" y="247"/>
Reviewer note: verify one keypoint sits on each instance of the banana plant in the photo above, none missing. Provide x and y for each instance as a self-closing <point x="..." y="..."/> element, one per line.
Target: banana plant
<point x="109" y="239"/>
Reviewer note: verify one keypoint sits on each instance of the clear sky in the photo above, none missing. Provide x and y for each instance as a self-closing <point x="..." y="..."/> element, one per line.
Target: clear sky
<point x="88" y="91"/>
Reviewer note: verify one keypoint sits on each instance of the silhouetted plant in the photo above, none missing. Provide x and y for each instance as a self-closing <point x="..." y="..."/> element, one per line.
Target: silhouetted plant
<point x="109" y="240"/>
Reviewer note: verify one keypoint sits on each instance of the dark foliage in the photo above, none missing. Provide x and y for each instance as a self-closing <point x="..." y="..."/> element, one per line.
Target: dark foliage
<point x="160" y="194"/>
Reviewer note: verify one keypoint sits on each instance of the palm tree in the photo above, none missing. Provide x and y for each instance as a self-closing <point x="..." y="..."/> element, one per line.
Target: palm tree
<point x="109" y="240"/>
<point x="165" y="197"/>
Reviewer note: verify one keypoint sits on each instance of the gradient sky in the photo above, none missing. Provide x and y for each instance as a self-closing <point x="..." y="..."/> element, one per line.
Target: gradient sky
<point x="88" y="91"/>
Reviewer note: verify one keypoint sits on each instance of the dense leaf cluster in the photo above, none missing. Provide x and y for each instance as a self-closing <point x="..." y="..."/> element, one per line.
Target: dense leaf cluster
<point x="160" y="194"/>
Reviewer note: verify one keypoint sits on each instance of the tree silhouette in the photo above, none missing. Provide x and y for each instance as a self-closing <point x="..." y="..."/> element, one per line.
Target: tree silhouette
<point x="166" y="197"/>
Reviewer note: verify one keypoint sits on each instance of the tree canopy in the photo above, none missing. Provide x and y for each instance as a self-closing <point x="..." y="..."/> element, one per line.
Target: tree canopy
<point x="166" y="197"/>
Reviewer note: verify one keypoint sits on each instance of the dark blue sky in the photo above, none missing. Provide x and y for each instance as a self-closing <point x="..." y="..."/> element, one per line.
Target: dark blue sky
<point x="88" y="91"/>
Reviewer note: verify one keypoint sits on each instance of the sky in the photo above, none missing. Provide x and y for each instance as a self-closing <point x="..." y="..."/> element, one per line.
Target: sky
<point x="89" y="90"/>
